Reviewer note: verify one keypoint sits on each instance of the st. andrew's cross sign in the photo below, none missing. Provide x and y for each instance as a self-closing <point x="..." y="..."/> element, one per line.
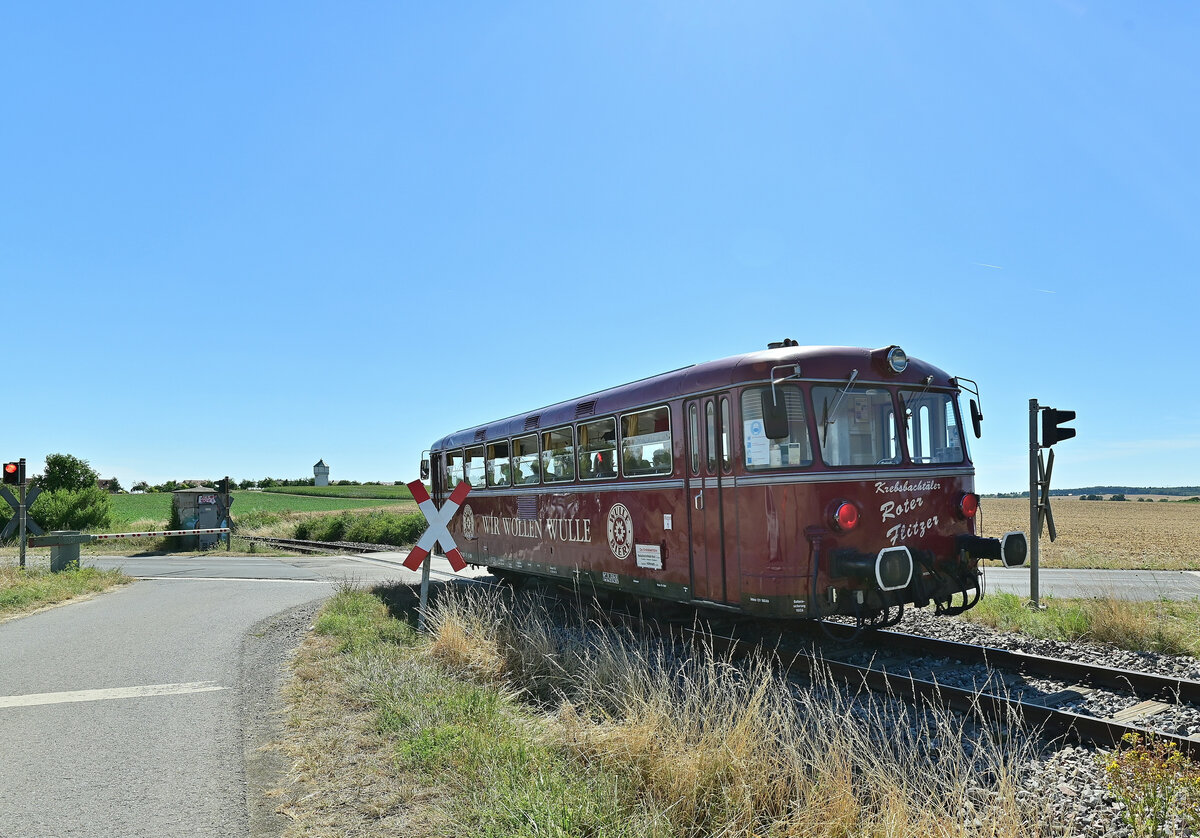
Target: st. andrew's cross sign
<point x="437" y="531"/>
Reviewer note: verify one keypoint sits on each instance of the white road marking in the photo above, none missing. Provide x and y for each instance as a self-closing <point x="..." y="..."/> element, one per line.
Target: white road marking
<point x="35" y="699"/>
<point x="238" y="579"/>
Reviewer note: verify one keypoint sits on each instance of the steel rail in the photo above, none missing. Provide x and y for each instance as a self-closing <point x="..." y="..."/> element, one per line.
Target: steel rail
<point x="1048" y="720"/>
<point x="1142" y="684"/>
<point x="322" y="546"/>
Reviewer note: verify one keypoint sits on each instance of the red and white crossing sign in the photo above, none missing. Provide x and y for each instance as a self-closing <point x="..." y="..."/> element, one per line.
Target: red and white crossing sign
<point x="437" y="531"/>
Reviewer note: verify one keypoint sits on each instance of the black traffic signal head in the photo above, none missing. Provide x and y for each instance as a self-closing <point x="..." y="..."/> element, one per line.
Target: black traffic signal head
<point x="1051" y="432"/>
<point x="12" y="473"/>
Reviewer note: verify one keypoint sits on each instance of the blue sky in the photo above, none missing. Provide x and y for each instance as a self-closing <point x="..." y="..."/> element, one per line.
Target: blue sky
<point x="236" y="238"/>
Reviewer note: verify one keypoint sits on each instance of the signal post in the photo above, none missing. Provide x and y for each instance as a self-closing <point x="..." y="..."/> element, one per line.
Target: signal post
<point x="14" y="475"/>
<point x="1040" y="513"/>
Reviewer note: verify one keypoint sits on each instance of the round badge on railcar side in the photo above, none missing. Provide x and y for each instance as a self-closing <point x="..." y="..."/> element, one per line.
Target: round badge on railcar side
<point x="468" y="522"/>
<point x="620" y="531"/>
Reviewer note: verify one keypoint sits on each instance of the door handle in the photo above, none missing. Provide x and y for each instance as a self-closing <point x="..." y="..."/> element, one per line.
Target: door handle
<point x="700" y="501"/>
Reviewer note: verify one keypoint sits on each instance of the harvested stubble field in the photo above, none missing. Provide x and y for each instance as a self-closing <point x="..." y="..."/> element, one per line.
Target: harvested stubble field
<point x="1124" y="535"/>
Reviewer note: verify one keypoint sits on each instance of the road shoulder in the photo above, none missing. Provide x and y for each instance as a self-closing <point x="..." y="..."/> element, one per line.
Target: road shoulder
<point x="266" y="651"/>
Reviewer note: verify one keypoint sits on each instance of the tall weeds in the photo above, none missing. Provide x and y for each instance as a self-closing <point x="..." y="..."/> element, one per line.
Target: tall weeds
<point x="712" y="746"/>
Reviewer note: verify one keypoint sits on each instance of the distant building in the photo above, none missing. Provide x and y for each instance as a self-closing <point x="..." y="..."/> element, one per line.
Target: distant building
<point x="321" y="473"/>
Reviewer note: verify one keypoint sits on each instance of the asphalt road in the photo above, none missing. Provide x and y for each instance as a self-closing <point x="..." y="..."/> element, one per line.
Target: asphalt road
<point x="133" y="713"/>
<point x="1120" y="584"/>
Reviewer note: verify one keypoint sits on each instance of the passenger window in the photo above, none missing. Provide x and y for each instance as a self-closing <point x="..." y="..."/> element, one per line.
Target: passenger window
<point x="694" y="436"/>
<point x="598" y="449"/>
<point x="646" y="442"/>
<point x="474" y="468"/>
<point x="762" y="452"/>
<point x="454" y="469"/>
<point x="710" y="419"/>
<point x="527" y="467"/>
<point x="931" y="427"/>
<point x="499" y="470"/>
<point x="855" y="426"/>
<point x="558" y="455"/>
<point x="726" y="430"/>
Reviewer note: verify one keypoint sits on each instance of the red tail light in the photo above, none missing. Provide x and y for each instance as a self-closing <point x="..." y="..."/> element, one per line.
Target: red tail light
<point x="845" y="517"/>
<point x="968" y="505"/>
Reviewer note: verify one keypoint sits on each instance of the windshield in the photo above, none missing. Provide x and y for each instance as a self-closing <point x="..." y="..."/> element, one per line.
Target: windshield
<point x="931" y="427"/>
<point x="856" y="426"/>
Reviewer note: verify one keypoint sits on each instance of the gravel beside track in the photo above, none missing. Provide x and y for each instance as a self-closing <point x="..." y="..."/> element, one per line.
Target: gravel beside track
<point x="1069" y="777"/>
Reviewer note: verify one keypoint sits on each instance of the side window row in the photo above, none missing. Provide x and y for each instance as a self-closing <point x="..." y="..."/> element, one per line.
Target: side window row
<point x="587" y="451"/>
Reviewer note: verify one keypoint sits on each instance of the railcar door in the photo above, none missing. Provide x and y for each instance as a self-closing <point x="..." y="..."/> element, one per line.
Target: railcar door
<point x="708" y="456"/>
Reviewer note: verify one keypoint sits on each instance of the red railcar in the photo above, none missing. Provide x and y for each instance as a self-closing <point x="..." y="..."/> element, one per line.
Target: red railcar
<point x="791" y="482"/>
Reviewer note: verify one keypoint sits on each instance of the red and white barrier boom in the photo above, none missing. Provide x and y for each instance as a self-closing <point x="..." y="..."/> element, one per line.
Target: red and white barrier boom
<point x="212" y="531"/>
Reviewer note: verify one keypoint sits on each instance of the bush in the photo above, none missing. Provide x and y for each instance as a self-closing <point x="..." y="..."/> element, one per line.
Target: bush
<point x="87" y="509"/>
<point x="364" y="528"/>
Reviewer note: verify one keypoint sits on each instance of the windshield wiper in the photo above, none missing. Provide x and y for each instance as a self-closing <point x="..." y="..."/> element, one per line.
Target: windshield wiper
<point x="826" y="421"/>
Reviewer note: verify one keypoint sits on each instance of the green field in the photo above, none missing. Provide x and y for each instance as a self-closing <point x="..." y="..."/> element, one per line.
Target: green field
<point x="371" y="490"/>
<point x="155" y="509"/>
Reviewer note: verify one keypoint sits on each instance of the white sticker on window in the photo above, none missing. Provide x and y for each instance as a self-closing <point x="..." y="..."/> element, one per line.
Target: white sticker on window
<point x="666" y="522"/>
<point x="758" y="446"/>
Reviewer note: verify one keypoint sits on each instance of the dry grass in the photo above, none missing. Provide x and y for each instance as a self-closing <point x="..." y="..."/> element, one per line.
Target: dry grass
<point x="509" y="720"/>
<point x="710" y="747"/>
<point x="1106" y="534"/>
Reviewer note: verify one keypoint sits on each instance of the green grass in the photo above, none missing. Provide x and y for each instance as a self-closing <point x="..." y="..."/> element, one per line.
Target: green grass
<point x="26" y="589"/>
<point x="130" y="509"/>
<point x="370" y="490"/>
<point x="471" y="739"/>
<point x="1162" y="626"/>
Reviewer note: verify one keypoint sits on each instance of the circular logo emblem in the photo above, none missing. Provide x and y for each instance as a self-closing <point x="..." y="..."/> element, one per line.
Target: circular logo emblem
<point x="620" y="531"/>
<point x="468" y="523"/>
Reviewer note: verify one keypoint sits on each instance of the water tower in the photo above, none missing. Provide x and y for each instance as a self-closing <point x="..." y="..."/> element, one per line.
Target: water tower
<point x="320" y="474"/>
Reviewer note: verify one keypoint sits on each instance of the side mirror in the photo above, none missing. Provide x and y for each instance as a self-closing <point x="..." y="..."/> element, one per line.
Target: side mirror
<point x="424" y="469"/>
<point x="976" y="419"/>
<point x="774" y="412"/>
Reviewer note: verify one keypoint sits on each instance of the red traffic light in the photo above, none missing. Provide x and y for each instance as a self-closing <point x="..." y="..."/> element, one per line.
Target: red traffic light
<point x="12" y="473"/>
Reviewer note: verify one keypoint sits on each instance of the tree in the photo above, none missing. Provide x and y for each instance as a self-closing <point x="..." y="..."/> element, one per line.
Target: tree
<point x="65" y="473"/>
<point x="114" y="485"/>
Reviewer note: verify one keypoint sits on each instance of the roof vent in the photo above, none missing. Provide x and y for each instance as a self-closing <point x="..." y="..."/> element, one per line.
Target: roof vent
<point x="480" y="434"/>
<point x="585" y="409"/>
<point x="531" y="422"/>
<point x="782" y="344"/>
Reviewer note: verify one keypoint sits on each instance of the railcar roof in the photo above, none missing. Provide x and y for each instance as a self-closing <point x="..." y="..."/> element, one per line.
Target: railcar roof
<point x="819" y="363"/>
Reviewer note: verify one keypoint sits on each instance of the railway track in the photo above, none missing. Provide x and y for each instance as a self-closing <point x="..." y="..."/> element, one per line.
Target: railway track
<point x="992" y="696"/>
<point x="303" y="546"/>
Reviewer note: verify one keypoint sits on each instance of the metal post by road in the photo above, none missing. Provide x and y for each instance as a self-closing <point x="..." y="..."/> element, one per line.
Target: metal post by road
<point x="1033" y="504"/>
<point x="424" y="592"/>
<point x="21" y="512"/>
